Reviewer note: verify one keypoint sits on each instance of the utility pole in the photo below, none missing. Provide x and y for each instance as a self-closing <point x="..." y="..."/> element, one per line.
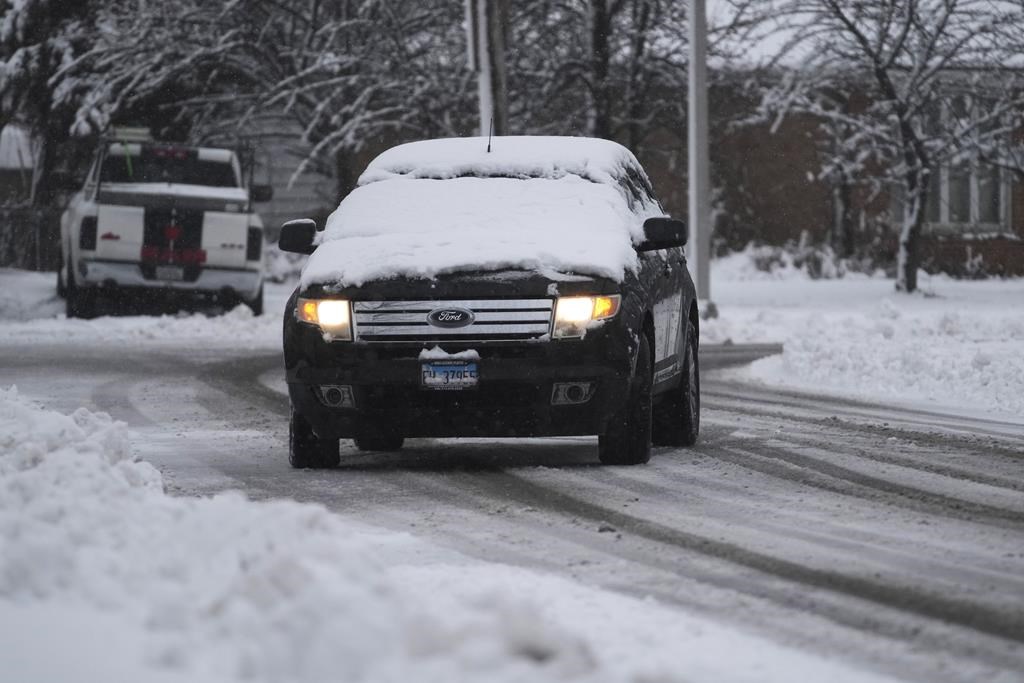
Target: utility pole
<point x="485" y="40"/>
<point x="699" y="166"/>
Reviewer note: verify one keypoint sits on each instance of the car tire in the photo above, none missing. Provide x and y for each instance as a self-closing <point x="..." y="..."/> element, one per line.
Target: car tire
<point x="256" y="303"/>
<point x="375" y="441"/>
<point x="627" y="439"/>
<point x="677" y="417"/>
<point x="306" y="450"/>
<point x="79" y="302"/>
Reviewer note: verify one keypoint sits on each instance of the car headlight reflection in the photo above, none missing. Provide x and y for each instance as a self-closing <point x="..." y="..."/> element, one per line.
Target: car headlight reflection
<point x="332" y="316"/>
<point x="574" y="314"/>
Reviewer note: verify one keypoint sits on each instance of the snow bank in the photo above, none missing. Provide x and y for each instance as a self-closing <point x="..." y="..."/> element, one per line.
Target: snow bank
<point x="237" y="328"/>
<point x="955" y="346"/>
<point x="601" y="161"/>
<point x="224" y="588"/>
<point x="104" y="577"/>
<point x="421" y="228"/>
<point x="31" y="312"/>
<point x="943" y="358"/>
<point x="26" y="295"/>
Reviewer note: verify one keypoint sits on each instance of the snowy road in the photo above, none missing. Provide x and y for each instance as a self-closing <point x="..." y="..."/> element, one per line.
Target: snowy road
<point x="891" y="538"/>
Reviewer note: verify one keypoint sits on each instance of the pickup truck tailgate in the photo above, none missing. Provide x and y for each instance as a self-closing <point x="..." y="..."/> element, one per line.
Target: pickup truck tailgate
<point x="224" y="238"/>
<point x="119" y="232"/>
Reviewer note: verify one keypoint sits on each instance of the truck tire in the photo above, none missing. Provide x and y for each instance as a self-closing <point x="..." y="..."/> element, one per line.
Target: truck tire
<point x="306" y="450"/>
<point x="677" y="417"/>
<point x="80" y="302"/>
<point x="627" y="439"/>
<point x="256" y="303"/>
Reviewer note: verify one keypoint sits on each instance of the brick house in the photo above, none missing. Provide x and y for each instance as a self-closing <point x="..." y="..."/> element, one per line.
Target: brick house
<point x="767" y="191"/>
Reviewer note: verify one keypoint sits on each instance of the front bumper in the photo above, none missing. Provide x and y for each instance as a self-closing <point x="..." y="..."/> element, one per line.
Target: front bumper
<point x="246" y="283"/>
<point x="513" y="398"/>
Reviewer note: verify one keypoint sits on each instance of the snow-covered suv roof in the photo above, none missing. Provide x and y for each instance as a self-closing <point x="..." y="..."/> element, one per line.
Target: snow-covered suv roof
<point x="514" y="156"/>
<point x="545" y="204"/>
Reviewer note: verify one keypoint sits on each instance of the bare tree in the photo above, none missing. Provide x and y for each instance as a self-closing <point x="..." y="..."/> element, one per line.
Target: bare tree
<point x="923" y="83"/>
<point x="37" y="38"/>
<point x="346" y="72"/>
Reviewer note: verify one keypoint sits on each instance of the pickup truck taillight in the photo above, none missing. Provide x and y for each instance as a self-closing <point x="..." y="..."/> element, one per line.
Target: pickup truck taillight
<point x="254" y="247"/>
<point x="87" y="234"/>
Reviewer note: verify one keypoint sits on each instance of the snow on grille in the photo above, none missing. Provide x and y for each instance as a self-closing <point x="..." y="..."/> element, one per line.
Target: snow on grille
<point x="493" y="320"/>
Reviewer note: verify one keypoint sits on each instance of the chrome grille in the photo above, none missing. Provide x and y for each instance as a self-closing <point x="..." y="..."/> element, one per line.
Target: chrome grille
<point x="494" y="320"/>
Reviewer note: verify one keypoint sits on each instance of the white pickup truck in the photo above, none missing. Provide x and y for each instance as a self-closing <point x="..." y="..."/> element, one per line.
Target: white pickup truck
<point x="162" y="219"/>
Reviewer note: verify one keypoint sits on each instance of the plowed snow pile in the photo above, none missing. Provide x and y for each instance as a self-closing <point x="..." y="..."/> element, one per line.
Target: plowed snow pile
<point x="222" y="588"/>
<point x="103" y="577"/>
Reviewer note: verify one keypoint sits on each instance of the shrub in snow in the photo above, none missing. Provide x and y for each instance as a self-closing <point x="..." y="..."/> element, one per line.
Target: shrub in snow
<point x="281" y="266"/>
<point x="794" y="260"/>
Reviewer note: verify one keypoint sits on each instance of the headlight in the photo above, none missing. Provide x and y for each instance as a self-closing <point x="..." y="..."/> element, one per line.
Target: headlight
<point x="573" y="314"/>
<point x="332" y="316"/>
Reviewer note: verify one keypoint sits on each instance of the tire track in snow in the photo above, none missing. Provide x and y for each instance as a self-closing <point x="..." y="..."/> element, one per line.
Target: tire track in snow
<point x="908" y="598"/>
<point x="901" y="494"/>
<point x="1004" y="438"/>
<point x="855" y="443"/>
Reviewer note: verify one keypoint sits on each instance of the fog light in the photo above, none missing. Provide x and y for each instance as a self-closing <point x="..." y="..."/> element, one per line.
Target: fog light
<point x="571" y="393"/>
<point x="337" y="396"/>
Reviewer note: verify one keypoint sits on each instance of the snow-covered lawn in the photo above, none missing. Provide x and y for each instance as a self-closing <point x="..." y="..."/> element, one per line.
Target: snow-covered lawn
<point x="955" y="345"/>
<point x="104" y="577"/>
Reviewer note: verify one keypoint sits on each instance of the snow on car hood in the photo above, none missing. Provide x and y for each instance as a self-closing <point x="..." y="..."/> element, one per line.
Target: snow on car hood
<point x="516" y="156"/>
<point x="230" y="194"/>
<point x="422" y="228"/>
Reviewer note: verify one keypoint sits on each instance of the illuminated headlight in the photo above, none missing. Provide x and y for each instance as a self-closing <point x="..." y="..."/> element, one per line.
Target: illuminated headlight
<point x="573" y="314"/>
<point x="332" y="316"/>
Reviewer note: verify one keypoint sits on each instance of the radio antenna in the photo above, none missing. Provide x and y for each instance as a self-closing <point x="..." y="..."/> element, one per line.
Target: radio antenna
<point x="490" y="132"/>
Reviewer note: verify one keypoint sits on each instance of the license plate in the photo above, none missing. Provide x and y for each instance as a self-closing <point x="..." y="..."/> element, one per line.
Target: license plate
<point x="449" y="375"/>
<point x="170" y="273"/>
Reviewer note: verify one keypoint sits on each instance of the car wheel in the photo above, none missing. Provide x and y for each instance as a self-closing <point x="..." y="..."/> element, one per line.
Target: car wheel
<point x="677" y="417"/>
<point x="627" y="439"/>
<point x="306" y="450"/>
<point x="256" y="303"/>
<point x="376" y="441"/>
<point x="80" y="302"/>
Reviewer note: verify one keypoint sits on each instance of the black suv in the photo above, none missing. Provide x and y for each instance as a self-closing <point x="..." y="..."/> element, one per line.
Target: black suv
<point x="544" y="346"/>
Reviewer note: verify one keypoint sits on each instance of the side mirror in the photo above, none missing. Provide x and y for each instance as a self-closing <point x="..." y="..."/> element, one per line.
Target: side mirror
<point x="65" y="182"/>
<point x="663" y="233"/>
<point x="297" y="236"/>
<point x="261" y="193"/>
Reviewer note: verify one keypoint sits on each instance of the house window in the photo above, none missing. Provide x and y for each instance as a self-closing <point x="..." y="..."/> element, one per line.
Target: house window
<point x="966" y="195"/>
<point x="968" y="198"/>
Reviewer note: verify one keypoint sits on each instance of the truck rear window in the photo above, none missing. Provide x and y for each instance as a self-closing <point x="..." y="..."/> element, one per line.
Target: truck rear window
<point x="150" y="168"/>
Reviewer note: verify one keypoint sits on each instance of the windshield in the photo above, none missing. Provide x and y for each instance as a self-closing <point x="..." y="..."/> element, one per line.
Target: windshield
<point x="161" y="167"/>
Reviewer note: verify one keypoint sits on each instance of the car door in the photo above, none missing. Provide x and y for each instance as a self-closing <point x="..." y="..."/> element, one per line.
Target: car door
<point x="663" y="271"/>
<point x="668" y="307"/>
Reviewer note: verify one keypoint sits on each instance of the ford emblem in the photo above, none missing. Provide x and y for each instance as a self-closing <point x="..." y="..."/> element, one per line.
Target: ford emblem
<point x="450" y="317"/>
